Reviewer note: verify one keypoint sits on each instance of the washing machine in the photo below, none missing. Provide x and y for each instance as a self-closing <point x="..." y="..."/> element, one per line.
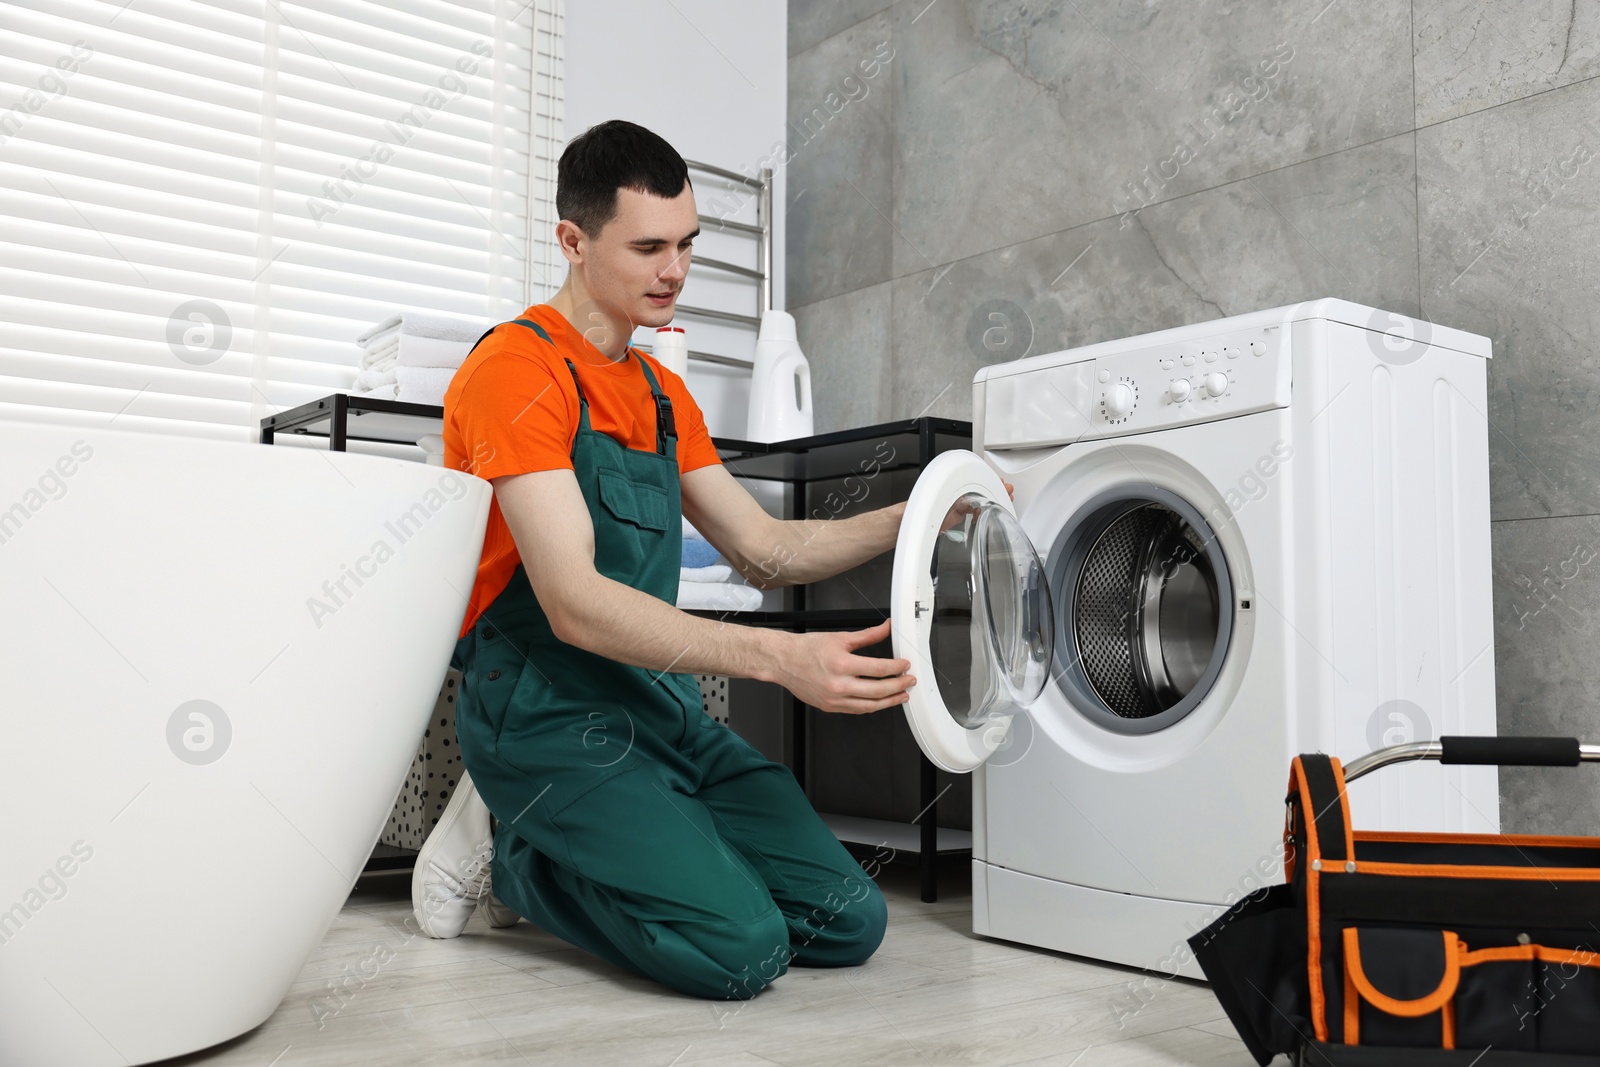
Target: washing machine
<point x="1229" y="543"/>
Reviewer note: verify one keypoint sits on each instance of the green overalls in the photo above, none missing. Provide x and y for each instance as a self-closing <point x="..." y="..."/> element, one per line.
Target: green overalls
<point x="628" y="821"/>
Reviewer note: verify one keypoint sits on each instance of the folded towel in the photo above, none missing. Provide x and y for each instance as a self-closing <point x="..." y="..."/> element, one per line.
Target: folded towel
<point x="698" y="553"/>
<point x="382" y="392"/>
<point x="431" y="443"/>
<point x="719" y="596"/>
<point x="423" y="385"/>
<point x="426" y="324"/>
<point x="374" y="377"/>
<point x="380" y="358"/>
<point x="376" y="338"/>
<point x="721" y="572"/>
<point x="431" y="351"/>
<point x="690" y="531"/>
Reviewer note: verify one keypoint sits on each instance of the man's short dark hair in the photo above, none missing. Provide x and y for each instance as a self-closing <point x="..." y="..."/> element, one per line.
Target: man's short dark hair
<point x="614" y="155"/>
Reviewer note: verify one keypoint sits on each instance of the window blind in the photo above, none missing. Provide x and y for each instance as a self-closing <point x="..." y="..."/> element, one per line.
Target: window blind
<point x="549" y="268"/>
<point x="204" y="203"/>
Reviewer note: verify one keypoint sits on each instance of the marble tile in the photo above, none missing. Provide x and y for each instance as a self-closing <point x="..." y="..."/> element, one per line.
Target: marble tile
<point x="1017" y="119"/>
<point x="846" y="341"/>
<point x="1340" y="225"/>
<point x="1509" y="218"/>
<point x="814" y="21"/>
<point x="1355" y="211"/>
<point x="1547" y="625"/>
<point x="1472" y="55"/>
<point x="838" y="154"/>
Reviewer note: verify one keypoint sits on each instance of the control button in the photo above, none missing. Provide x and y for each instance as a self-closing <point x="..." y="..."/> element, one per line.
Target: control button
<point x="1104" y="376"/>
<point x="1179" y="390"/>
<point x="1119" y="400"/>
<point x="1167" y="364"/>
<point x="1232" y="353"/>
<point x="1210" y="356"/>
<point x="1188" y="361"/>
<point x="1216" y="383"/>
<point x="1257" y="348"/>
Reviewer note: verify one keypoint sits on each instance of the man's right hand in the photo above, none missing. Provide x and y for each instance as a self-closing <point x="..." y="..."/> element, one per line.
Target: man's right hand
<point x="823" y="670"/>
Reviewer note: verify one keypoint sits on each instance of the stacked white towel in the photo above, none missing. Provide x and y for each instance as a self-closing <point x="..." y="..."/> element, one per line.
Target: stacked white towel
<point x="412" y="355"/>
<point x="713" y="586"/>
<point x="718" y="596"/>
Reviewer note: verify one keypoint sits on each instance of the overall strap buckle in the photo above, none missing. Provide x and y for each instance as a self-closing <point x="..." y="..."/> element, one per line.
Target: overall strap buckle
<point x="665" y="425"/>
<point x="583" y="401"/>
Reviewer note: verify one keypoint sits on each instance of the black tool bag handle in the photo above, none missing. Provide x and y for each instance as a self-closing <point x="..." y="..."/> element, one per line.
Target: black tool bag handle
<point x="1480" y="751"/>
<point x="1511" y="751"/>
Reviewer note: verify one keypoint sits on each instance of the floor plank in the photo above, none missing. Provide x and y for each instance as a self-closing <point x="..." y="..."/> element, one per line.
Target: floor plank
<point x="377" y="992"/>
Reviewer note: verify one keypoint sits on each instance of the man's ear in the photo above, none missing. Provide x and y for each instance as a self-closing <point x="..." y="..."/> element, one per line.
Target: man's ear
<point x="571" y="240"/>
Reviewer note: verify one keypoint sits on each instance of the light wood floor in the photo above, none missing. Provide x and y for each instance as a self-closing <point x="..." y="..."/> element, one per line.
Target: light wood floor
<point x="932" y="994"/>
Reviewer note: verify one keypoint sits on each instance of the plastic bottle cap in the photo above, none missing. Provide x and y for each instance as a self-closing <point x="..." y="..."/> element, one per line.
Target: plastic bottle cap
<point x="776" y="326"/>
<point x="669" y="329"/>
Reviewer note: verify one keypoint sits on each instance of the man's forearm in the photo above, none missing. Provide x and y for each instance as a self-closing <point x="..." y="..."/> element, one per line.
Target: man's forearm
<point x="619" y="622"/>
<point x="808" y="550"/>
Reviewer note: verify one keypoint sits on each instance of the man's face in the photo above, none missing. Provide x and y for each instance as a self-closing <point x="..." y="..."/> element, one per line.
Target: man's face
<point x="635" y="268"/>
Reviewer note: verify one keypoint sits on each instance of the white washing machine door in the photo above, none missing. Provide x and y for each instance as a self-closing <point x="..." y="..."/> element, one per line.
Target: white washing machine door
<point x="971" y="610"/>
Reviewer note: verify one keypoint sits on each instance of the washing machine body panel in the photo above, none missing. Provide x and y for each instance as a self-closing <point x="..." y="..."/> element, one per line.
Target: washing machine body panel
<point x="1351" y="500"/>
<point x="1187" y="811"/>
<point x="1399" y="449"/>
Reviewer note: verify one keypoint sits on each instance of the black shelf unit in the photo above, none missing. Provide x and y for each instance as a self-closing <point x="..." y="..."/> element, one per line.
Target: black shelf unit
<point x="912" y="444"/>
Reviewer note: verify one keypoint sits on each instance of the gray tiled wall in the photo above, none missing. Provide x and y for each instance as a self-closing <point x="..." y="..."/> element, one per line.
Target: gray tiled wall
<point x="1092" y="171"/>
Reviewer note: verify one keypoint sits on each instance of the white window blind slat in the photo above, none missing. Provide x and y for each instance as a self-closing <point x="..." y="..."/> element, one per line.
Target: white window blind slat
<point x="21" y="402"/>
<point x="36" y="214"/>
<point x="153" y="31"/>
<point x="134" y="339"/>
<point x="198" y="220"/>
<point x="205" y="80"/>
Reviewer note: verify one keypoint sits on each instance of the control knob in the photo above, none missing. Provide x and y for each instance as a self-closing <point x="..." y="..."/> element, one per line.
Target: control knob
<point x="1179" y="390"/>
<point x="1119" y="399"/>
<point x="1216" y="383"/>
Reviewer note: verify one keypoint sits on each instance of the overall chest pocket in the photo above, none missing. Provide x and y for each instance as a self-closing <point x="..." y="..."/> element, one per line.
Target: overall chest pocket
<point x="644" y="506"/>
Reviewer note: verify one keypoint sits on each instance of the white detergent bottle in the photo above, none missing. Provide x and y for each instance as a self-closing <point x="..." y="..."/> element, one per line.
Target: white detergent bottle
<point x="671" y="350"/>
<point x="780" y="384"/>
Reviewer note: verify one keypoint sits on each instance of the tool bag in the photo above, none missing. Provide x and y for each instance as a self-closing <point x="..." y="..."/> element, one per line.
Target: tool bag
<point x="1416" y="948"/>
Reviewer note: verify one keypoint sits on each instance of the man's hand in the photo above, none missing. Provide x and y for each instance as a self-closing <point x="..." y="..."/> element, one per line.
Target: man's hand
<point x="823" y="670"/>
<point x="961" y="509"/>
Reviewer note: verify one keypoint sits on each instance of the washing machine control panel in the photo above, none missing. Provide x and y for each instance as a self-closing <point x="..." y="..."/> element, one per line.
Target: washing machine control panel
<point x="1139" y="390"/>
<point x="1191" y="381"/>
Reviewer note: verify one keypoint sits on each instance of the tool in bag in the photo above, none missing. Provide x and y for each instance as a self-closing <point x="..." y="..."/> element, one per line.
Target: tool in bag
<point x="1416" y="948"/>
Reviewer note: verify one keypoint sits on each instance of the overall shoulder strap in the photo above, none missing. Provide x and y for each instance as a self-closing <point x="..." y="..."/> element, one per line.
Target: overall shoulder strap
<point x="529" y="323"/>
<point x="666" y="426"/>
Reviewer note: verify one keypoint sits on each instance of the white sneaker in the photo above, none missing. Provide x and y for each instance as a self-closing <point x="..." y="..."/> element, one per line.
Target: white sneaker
<point x="497" y="914"/>
<point x="452" y="870"/>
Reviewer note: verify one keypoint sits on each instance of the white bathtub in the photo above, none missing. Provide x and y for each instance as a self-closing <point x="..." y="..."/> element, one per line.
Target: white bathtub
<point x="161" y="884"/>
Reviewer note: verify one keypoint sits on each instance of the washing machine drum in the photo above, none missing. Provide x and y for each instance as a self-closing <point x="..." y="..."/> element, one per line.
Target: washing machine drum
<point x="1144" y="612"/>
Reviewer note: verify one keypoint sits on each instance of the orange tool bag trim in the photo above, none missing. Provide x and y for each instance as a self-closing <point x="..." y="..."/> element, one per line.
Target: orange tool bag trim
<point x="1415" y="948"/>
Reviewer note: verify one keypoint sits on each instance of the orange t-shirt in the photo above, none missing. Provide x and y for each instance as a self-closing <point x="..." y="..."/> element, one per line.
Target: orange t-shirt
<point x="514" y="401"/>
